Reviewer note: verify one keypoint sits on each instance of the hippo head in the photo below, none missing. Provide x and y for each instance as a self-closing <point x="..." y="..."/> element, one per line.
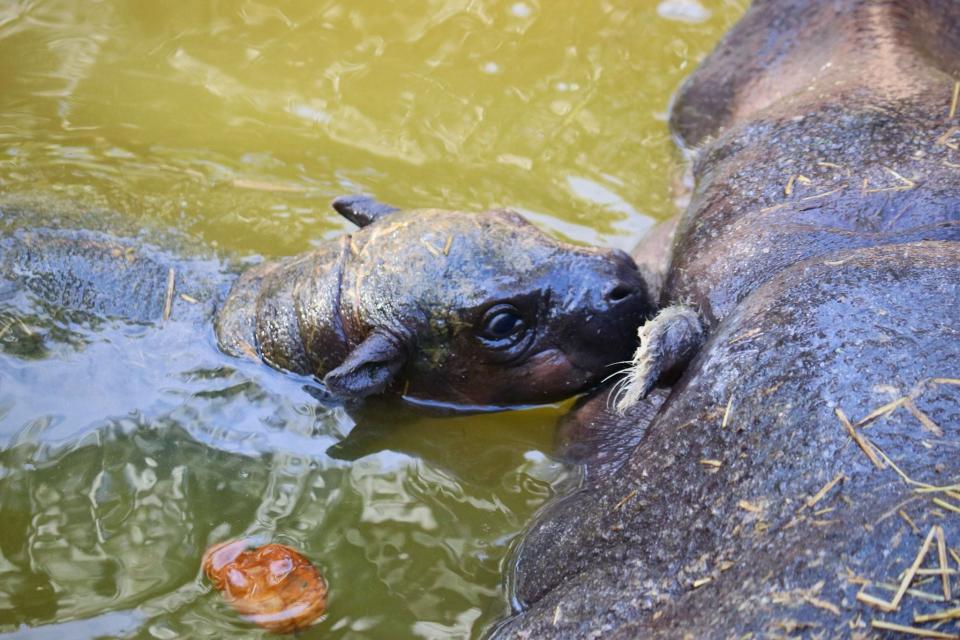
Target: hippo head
<point x="480" y="309"/>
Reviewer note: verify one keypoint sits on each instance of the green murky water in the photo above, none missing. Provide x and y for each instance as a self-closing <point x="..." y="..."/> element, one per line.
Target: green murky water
<point x="126" y="450"/>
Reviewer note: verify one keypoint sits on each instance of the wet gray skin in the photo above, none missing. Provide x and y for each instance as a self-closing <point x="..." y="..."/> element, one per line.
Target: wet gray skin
<point x="736" y="503"/>
<point x="445" y="307"/>
<point x="470" y="310"/>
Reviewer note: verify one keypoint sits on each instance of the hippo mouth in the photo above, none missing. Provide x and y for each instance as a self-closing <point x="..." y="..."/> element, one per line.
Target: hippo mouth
<point x="544" y="376"/>
<point x="553" y="374"/>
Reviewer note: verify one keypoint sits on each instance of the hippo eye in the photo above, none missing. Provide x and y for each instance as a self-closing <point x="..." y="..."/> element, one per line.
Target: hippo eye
<point x="502" y="325"/>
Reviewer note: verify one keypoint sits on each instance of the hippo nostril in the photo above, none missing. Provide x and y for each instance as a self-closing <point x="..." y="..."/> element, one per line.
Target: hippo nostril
<point x="619" y="292"/>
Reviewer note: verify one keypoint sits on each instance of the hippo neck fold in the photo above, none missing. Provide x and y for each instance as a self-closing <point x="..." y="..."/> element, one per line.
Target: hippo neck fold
<point x="288" y="313"/>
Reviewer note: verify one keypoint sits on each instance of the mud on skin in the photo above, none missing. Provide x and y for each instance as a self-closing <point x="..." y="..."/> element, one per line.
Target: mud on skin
<point x="821" y="251"/>
<point x="474" y="310"/>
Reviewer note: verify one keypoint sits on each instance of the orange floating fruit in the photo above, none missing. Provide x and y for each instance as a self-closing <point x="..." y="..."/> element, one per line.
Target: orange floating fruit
<point x="272" y="586"/>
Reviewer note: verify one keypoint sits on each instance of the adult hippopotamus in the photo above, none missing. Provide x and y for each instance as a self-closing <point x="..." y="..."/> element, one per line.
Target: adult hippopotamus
<point x="473" y="310"/>
<point x="802" y="475"/>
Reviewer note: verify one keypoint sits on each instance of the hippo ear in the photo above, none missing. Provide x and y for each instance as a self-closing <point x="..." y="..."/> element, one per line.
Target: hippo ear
<point x="369" y="368"/>
<point x="361" y="210"/>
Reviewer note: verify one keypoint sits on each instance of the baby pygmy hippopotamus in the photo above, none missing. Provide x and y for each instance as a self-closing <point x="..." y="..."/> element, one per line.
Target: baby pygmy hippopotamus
<point x="447" y="307"/>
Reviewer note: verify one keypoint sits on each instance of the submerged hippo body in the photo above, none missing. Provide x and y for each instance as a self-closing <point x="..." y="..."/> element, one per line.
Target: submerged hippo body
<point x="821" y="256"/>
<point x="107" y="276"/>
<point x="466" y="309"/>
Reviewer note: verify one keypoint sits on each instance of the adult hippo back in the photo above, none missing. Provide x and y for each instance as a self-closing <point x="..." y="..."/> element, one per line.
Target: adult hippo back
<point x="807" y="457"/>
<point x="465" y="309"/>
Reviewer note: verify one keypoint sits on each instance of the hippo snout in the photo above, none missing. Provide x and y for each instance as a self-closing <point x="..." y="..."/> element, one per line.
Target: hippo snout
<point x="623" y="283"/>
<point x="611" y="308"/>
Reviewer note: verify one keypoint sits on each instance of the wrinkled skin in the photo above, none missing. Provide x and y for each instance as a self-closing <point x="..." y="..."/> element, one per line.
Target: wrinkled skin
<point x="95" y="273"/>
<point x="465" y="309"/>
<point x="273" y="586"/>
<point x="450" y="309"/>
<point x="844" y="294"/>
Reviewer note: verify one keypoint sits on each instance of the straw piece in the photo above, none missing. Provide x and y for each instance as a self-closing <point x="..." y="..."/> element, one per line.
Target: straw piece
<point x="916" y="593"/>
<point x="886" y="409"/>
<point x="853" y="578"/>
<point x="905" y="183"/>
<point x="917" y="631"/>
<point x="953" y="381"/>
<point x="936" y="572"/>
<point x="726" y="413"/>
<point x="906" y="518"/>
<point x="749" y="506"/>
<point x="949" y="614"/>
<point x="908" y="577"/>
<point x="912" y="572"/>
<point x="859" y="439"/>
<point x="823" y="604"/>
<point x="817" y="196"/>
<point x="630" y="496"/>
<point x="814" y="499"/>
<point x="168" y="303"/>
<point x="872" y="601"/>
<point x="945" y="137"/>
<point x="954" y="101"/>
<point x="946" y="505"/>
<point x="774" y="207"/>
<point x="434" y="251"/>
<point x="944" y="563"/>
<point x="787" y="190"/>
<point x="924" y="419"/>
<point x="921" y="487"/>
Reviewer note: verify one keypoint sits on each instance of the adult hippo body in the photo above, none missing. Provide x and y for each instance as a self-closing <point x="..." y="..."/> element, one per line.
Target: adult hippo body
<point x="821" y="254"/>
<point x="470" y="310"/>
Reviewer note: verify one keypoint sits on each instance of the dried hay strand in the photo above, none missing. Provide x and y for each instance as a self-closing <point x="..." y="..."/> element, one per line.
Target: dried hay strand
<point x="168" y="302"/>
<point x="922" y="633"/>
<point x="954" y="100"/>
<point x="924" y="419"/>
<point x="944" y="563"/>
<point x="824" y="490"/>
<point x="880" y="412"/>
<point x="905" y="583"/>
<point x="862" y="442"/>
<point x="949" y="614"/>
